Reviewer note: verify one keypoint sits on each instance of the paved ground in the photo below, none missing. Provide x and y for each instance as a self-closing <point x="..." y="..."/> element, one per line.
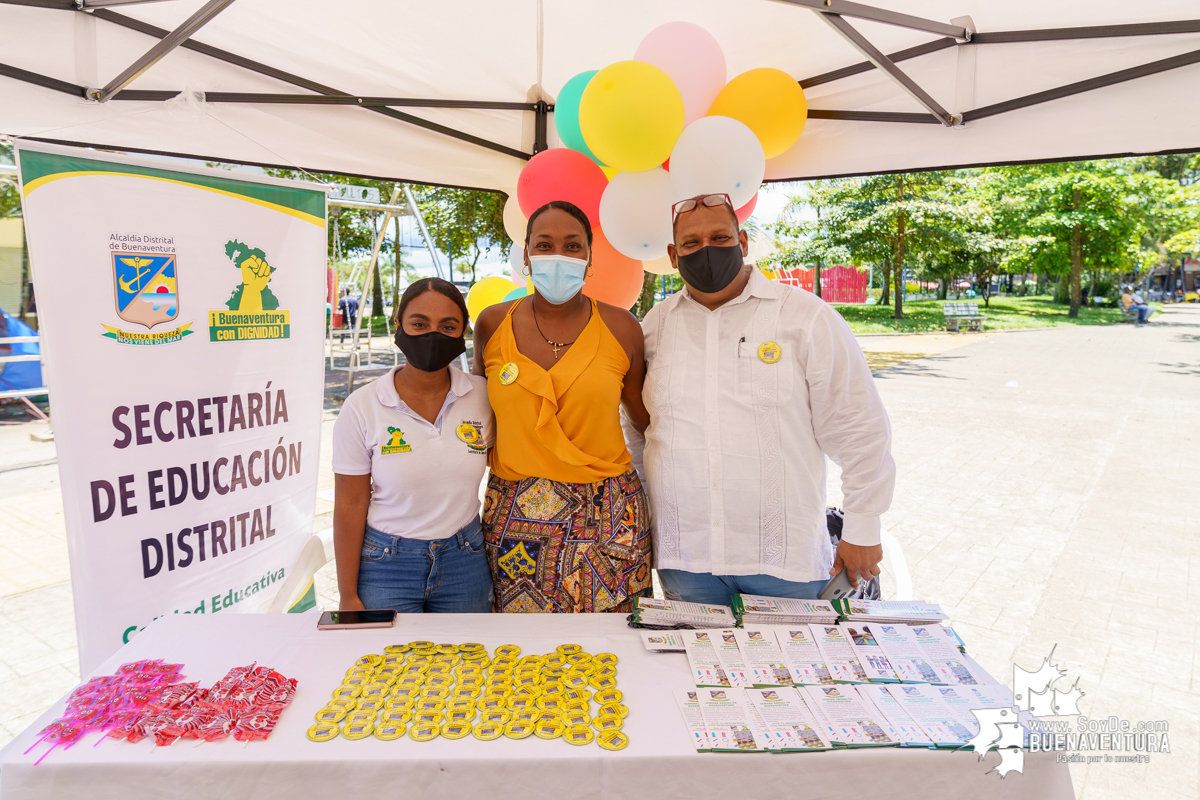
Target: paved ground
<point x="1046" y="496"/>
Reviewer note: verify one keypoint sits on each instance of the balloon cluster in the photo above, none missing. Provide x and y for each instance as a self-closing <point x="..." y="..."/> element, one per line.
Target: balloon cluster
<point x="642" y="134"/>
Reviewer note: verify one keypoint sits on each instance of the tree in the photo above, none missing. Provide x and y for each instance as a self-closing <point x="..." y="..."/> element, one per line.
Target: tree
<point x="893" y="220"/>
<point x="1091" y="213"/>
<point x="464" y="223"/>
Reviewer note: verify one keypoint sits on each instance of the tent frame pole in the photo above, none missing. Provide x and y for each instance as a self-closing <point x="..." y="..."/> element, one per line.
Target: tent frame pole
<point x="898" y="76"/>
<point x="858" y="10"/>
<point x="165" y="45"/>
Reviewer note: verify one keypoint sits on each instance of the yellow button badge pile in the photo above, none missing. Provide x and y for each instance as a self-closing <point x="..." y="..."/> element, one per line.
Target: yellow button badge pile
<point x="455" y="690"/>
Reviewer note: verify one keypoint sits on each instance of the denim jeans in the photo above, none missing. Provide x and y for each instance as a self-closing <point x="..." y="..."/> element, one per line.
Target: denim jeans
<point x="412" y="575"/>
<point x="715" y="590"/>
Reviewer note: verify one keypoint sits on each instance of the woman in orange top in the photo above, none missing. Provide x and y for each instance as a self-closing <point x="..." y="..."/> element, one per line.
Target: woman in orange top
<point x="565" y="519"/>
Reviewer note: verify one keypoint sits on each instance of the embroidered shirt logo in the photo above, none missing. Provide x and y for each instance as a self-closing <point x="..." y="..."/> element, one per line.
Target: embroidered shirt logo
<point x="395" y="443"/>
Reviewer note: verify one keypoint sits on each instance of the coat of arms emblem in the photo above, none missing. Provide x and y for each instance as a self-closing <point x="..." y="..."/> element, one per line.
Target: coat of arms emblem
<point x="145" y="288"/>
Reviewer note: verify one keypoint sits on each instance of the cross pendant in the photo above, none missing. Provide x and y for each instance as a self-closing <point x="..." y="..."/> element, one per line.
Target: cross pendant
<point x="554" y="346"/>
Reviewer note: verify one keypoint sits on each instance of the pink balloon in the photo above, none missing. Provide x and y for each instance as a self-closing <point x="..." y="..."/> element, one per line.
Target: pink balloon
<point x="745" y="211"/>
<point x="561" y="174"/>
<point x="693" y="60"/>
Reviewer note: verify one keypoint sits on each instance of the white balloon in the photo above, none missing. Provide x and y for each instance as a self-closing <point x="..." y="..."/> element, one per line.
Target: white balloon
<point x="660" y="266"/>
<point x="635" y="213"/>
<point x="514" y="221"/>
<point x="717" y="154"/>
<point x="516" y="265"/>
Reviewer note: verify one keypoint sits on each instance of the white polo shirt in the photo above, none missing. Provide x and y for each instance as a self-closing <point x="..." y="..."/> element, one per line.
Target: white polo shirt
<point x="425" y="477"/>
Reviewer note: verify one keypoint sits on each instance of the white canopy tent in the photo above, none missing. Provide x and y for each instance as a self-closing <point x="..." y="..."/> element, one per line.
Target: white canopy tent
<point x="461" y="92"/>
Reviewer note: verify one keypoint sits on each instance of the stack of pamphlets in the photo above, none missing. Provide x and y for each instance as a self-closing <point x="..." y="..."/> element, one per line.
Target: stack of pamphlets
<point x="751" y="720"/>
<point x="889" y="611"/>
<point x="648" y="612"/>
<point x="755" y="610"/>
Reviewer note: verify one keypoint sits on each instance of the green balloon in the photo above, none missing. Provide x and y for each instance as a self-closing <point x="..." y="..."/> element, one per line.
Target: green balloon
<point x="566" y="114"/>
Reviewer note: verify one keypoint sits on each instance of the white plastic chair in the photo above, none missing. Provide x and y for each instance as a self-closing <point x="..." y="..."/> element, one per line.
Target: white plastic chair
<point x="297" y="594"/>
<point x="896" y="566"/>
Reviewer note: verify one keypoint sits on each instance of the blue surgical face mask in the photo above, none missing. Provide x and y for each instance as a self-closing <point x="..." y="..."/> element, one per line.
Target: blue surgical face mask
<point x="557" y="278"/>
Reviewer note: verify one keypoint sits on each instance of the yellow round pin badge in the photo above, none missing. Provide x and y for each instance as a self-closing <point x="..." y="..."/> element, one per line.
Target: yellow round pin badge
<point x="487" y="731"/>
<point x="769" y="352"/>
<point x="612" y="740"/>
<point x="323" y="731"/>
<point x="508" y="373"/>
<point x="579" y="736"/>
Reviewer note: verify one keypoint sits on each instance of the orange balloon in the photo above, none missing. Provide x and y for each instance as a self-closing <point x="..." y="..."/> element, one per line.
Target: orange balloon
<point x="615" y="279"/>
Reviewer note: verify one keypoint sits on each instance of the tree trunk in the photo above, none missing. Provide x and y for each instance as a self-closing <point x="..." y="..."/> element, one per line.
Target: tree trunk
<point x="898" y="248"/>
<point x="817" y="279"/>
<point x="1076" y="260"/>
<point x="396" y="282"/>
<point x="942" y="289"/>
<point x="646" y="300"/>
<point x="885" y="281"/>
<point x="376" y="292"/>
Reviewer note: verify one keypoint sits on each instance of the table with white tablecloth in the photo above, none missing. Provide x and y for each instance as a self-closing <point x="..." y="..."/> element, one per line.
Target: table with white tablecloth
<point x="658" y="763"/>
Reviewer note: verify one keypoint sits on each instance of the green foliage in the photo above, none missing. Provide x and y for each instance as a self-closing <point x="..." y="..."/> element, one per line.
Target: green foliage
<point x="10" y="198"/>
<point x="1004" y="313"/>
<point x="464" y="223"/>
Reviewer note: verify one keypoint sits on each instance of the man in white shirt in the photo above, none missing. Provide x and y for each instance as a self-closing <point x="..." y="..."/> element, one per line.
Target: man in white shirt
<point x="749" y="385"/>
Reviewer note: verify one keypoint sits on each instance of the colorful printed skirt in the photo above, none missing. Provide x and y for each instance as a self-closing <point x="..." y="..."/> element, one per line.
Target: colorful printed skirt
<point x="567" y="547"/>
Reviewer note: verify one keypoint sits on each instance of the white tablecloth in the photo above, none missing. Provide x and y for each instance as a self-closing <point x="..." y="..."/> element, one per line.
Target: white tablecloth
<point x="658" y="763"/>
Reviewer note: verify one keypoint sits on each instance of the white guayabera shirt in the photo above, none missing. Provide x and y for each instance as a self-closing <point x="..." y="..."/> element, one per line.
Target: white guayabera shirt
<point x="745" y="402"/>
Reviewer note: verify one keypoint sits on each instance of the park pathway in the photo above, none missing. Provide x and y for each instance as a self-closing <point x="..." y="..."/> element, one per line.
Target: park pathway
<point x="1048" y="494"/>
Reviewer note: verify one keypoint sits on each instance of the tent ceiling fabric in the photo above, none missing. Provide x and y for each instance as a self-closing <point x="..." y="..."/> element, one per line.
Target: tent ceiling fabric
<point x="488" y="51"/>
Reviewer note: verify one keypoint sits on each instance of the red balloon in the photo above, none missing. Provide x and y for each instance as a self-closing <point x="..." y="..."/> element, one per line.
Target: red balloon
<point x="745" y="211"/>
<point x="561" y="174"/>
<point x="667" y="165"/>
<point x="615" y="279"/>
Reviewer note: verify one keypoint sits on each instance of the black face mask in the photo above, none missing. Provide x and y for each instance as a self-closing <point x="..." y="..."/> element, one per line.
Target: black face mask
<point x="710" y="269"/>
<point x="430" y="352"/>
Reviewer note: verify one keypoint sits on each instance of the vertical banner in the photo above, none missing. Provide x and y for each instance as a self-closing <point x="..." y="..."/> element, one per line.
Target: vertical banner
<point x="182" y="315"/>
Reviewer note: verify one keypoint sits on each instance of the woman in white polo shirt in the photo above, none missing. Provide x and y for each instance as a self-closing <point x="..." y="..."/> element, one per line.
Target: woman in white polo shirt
<point x="409" y="454"/>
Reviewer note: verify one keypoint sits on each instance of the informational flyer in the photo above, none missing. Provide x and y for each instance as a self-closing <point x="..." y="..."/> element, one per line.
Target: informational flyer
<point x="870" y="656"/>
<point x="787" y="720"/>
<point x="761" y="654"/>
<point x="702" y="656"/>
<point x="729" y="722"/>
<point x="904" y="653"/>
<point x="838" y="654"/>
<point x="802" y="656"/>
<point x="182" y="314"/>
<point x="663" y="641"/>
<point x="851" y="722"/>
<point x="689" y="706"/>
<point x="911" y="734"/>
<point x="940" y="647"/>
<point x="963" y="699"/>
<point x="731" y="659"/>
<point x="924" y="705"/>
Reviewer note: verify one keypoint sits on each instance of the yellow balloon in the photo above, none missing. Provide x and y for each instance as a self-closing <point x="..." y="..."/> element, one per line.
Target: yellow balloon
<point x="767" y="101"/>
<point x="630" y="115"/>
<point x="487" y="292"/>
<point x="608" y="171"/>
<point x="659" y="266"/>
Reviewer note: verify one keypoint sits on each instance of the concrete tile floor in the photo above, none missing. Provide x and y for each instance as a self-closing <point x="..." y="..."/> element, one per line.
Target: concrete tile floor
<point x="1046" y="497"/>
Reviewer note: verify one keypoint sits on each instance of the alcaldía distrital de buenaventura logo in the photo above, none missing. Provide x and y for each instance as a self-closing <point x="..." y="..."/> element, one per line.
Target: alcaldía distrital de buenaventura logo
<point x="145" y="289"/>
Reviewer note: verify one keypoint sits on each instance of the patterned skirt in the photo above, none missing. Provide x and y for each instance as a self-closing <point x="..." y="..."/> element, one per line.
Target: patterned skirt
<point x="567" y="547"/>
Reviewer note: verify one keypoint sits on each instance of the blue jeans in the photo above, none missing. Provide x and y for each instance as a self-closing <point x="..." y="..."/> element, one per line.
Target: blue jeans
<point x="1142" y="310"/>
<point x="412" y="575"/>
<point x="715" y="590"/>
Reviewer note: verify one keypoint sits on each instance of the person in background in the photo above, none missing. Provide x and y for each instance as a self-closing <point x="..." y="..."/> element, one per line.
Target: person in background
<point x="750" y="384"/>
<point x="409" y="455"/>
<point x="565" y="517"/>
<point x="1129" y="300"/>
<point x="348" y="305"/>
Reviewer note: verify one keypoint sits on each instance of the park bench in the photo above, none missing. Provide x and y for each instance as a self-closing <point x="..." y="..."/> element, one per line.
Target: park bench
<point x="958" y="314"/>
<point x="1127" y="314"/>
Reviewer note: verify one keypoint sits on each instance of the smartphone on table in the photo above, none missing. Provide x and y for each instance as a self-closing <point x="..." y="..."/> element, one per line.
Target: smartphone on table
<point x="350" y="620"/>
